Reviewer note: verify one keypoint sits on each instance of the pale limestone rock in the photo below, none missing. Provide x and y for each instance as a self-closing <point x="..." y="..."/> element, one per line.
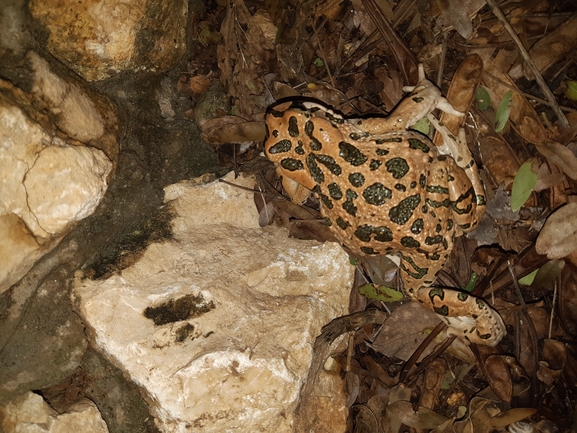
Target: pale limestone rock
<point x="261" y="299"/>
<point x="65" y="184"/>
<point x="31" y="414"/>
<point x="99" y="38"/>
<point x="48" y="179"/>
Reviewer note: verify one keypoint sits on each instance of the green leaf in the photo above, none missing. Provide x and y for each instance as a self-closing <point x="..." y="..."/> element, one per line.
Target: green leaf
<point x="523" y="185"/>
<point x="547" y="274"/>
<point x="380" y="293"/>
<point x="502" y="114"/>
<point x="483" y="98"/>
<point x="471" y="284"/>
<point x="527" y="280"/>
<point x="318" y="62"/>
<point x="423" y="126"/>
<point x="571" y="91"/>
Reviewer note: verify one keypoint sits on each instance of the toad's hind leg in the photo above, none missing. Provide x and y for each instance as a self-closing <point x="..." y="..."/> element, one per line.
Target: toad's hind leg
<point x="468" y="317"/>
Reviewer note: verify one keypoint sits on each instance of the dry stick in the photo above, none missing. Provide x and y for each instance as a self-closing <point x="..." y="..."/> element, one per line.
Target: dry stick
<point x="325" y="58"/>
<point x="529" y="62"/>
<point x="552" y="310"/>
<point x="525" y="94"/>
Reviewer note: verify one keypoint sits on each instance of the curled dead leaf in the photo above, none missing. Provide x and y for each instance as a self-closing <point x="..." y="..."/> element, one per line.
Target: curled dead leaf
<point x="220" y="131"/>
<point x="558" y="236"/>
<point x="511" y="416"/>
<point x="561" y="156"/>
<point x="199" y="83"/>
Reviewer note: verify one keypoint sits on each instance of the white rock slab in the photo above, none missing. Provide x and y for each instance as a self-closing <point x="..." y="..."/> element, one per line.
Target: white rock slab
<point x="31" y="414"/>
<point x="239" y="366"/>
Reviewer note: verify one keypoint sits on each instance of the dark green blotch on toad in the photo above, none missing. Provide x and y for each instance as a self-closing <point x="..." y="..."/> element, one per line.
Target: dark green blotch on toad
<point x="326" y="201"/>
<point x="351" y="154"/>
<point x="330" y="163"/>
<point x="348" y="205"/>
<point x="417" y="226"/>
<point x="410" y="242"/>
<point x="293" y="127"/>
<point x="342" y="223"/>
<point x="417" y="144"/>
<point x="377" y="194"/>
<point x="316" y="172"/>
<point x="401" y="213"/>
<point x="398" y="167"/>
<point x="356" y="179"/>
<point x="280" y="147"/>
<point x="335" y="191"/>
<point x="375" y="164"/>
<point x="299" y="149"/>
<point x="400" y="187"/>
<point x="292" y="164"/>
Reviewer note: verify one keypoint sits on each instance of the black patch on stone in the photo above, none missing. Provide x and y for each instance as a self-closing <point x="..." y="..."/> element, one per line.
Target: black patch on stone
<point x="176" y="310"/>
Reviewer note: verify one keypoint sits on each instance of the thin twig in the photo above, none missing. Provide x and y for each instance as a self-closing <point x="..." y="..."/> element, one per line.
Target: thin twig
<point x="552" y="310"/>
<point x="529" y="62"/>
<point x="517" y="287"/>
<point x="525" y="94"/>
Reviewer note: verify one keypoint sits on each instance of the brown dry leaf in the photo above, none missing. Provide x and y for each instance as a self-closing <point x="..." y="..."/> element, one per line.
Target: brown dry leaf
<point x="568" y="299"/>
<point x="499" y="376"/>
<point x="558" y="237"/>
<point x="423" y="418"/>
<point x="457" y="15"/>
<point x="560" y="156"/>
<point x="243" y="58"/>
<point x="522" y="115"/>
<point x="551" y="48"/>
<point x="500" y="162"/>
<point x="553" y="363"/>
<point x="199" y="83"/>
<point x="461" y="92"/>
<point x="510" y="416"/>
<point x="434" y="376"/>
<point x="224" y="130"/>
<point x="481" y="410"/>
<point x="404" y="331"/>
<point x="546" y="179"/>
<point x="329" y="95"/>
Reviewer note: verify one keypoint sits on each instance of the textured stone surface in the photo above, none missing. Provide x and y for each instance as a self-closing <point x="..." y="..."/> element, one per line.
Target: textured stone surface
<point x="31" y="414"/>
<point x="236" y="352"/>
<point x="99" y="38"/>
<point x="49" y="179"/>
